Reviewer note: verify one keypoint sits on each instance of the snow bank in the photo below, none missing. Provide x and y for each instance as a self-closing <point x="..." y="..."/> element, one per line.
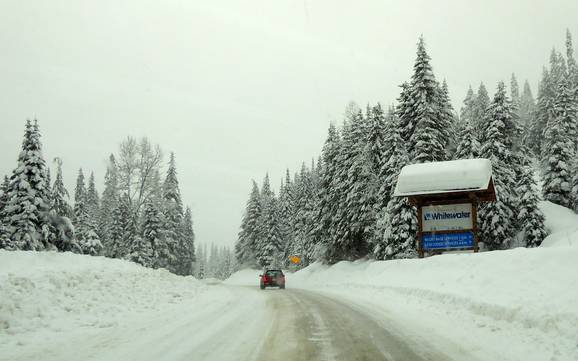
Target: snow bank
<point x="246" y="277"/>
<point x="59" y="292"/>
<point x="562" y="224"/>
<point x="441" y="177"/>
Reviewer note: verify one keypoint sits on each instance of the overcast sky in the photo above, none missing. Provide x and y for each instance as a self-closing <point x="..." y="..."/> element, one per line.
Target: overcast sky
<point x="238" y="88"/>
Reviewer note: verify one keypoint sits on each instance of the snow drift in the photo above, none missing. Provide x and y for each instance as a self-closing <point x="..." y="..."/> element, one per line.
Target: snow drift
<point x="64" y="291"/>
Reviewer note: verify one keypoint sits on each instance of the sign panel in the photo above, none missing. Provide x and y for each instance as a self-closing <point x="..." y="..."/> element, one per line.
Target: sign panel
<point x="448" y="217"/>
<point x="448" y="240"/>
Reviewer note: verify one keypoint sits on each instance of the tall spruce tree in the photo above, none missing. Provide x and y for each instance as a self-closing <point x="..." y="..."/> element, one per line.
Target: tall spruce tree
<point x="188" y="258"/>
<point x="559" y="149"/>
<point x="172" y="257"/>
<point x="430" y="136"/>
<point x="329" y="197"/>
<point x="530" y="218"/>
<point x="468" y="147"/>
<point x="108" y="204"/>
<point x="269" y="251"/>
<point x="481" y="104"/>
<point x="152" y="227"/>
<point x="28" y="197"/>
<point x="497" y="228"/>
<point x="349" y="240"/>
<point x="397" y="224"/>
<point x="246" y="246"/>
<point x="526" y="112"/>
<point x="515" y="92"/>
<point x="60" y="195"/>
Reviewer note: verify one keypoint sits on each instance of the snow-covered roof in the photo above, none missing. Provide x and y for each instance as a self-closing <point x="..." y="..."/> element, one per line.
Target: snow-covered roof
<point x="444" y="177"/>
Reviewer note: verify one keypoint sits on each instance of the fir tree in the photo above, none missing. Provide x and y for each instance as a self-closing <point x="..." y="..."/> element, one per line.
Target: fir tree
<point x="515" y="92"/>
<point x="468" y="146"/>
<point x="397" y="224"/>
<point x="329" y="197"/>
<point x="81" y="217"/>
<point x="188" y="243"/>
<point x="270" y="244"/>
<point x="559" y="150"/>
<point x="430" y="136"/>
<point x="481" y="104"/>
<point x="529" y="216"/>
<point x="152" y="230"/>
<point x="24" y="215"/>
<point x="349" y="239"/>
<point x="246" y="246"/>
<point x="526" y="111"/>
<point x="496" y="217"/>
<point x="85" y="225"/>
<point x="60" y="194"/>
<point x="127" y="228"/>
<point x="109" y="203"/>
<point x="92" y="199"/>
<point x="173" y="256"/>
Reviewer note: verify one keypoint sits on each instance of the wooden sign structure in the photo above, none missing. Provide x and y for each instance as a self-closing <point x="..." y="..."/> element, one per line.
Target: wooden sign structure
<point x="447" y="195"/>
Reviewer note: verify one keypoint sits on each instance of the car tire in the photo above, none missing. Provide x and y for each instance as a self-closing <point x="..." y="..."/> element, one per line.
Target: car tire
<point x="282" y="287"/>
<point x="262" y="287"/>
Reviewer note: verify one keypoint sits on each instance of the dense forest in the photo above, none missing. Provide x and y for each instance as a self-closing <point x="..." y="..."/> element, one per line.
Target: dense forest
<point x="340" y="207"/>
<point x="139" y="216"/>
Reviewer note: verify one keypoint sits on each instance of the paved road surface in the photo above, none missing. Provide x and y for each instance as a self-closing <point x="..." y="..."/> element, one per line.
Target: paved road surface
<point x="309" y="326"/>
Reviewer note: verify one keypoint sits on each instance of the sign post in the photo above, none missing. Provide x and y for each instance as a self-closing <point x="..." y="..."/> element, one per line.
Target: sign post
<point x="447" y="195"/>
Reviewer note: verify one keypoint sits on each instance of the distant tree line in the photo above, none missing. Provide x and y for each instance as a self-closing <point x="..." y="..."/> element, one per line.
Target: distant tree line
<point x="138" y="217"/>
<point x="341" y="207"/>
<point x="214" y="262"/>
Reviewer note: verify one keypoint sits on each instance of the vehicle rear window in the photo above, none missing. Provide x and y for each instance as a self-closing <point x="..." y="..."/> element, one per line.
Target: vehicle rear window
<point x="274" y="273"/>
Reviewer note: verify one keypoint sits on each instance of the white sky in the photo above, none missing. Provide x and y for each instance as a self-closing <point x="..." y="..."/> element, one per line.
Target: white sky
<point x="238" y="88"/>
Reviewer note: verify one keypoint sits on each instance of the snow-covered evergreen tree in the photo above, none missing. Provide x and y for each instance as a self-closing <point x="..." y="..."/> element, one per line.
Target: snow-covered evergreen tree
<point x="269" y="251"/>
<point x="481" y="104"/>
<point x="496" y="226"/>
<point x="188" y="256"/>
<point x="246" y="246"/>
<point x="92" y="198"/>
<point x="152" y="227"/>
<point x="468" y="147"/>
<point x="515" y="92"/>
<point x="84" y="224"/>
<point x="109" y="203"/>
<point x="287" y="215"/>
<point x="173" y="255"/>
<point x="559" y="150"/>
<point x="60" y="195"/>
<point x="526" y="112"/>
<point x="530" y="217"/>
<point x="430" y="137"/>
<point x="329" y="197"/>
<point x="201" y="262"/>
<point x="28" y="200"/>
<point x="349" y="240"/>
<point x="397" y="224"/>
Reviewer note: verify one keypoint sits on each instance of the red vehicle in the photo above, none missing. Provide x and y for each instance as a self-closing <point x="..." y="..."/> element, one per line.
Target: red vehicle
<point x="272" y="278"/>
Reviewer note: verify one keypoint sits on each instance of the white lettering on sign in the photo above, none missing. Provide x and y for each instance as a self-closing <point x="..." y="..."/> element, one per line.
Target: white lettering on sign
<point x="447" y="217"/>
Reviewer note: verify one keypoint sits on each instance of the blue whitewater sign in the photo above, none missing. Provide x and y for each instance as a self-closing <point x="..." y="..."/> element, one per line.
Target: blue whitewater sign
<point x="448" y="240"/>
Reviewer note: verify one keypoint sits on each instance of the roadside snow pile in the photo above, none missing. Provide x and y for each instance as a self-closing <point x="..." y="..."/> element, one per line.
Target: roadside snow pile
<point x="246" y="277"/>
<point x="59" y="292"/>
<point x="562" y="225"/>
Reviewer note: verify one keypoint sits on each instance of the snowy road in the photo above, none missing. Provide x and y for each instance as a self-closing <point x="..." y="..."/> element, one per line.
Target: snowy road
<point x="231" y="323"/>
<point x="311" y="326"/>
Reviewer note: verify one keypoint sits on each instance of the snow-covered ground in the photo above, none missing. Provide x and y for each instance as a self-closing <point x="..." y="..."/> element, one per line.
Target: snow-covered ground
<point x="62" y="306"/>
